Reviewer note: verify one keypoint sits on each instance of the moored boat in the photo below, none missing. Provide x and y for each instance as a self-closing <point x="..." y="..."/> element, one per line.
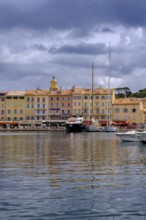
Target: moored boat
<point x="94" y="126"/>
<point x="74" y="125"/>
<point x="110" y="128"/>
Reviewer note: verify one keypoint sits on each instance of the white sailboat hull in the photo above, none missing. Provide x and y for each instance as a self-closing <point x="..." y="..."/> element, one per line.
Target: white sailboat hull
<point x="93" y="128"/>
<point x="110" y="129"/>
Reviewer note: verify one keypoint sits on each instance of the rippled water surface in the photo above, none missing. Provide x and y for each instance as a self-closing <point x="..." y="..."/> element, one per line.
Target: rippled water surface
<point x="54" y="175"/>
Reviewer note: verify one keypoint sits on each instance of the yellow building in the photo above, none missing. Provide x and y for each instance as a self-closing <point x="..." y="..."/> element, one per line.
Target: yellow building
<point x="143" y="100"/>
<point x="15" y="106"/>
<point x="77" y="105"/>
<point x="36" y="107"/>
<point x="130" y="109"/>
<point x="2" y="106"/>
<point x="101" y="105"/>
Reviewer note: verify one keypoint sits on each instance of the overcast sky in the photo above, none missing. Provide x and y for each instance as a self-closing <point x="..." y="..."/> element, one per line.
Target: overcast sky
<point x="42" y="38"/>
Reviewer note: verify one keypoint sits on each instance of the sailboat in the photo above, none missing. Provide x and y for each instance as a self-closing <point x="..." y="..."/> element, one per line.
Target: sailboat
<point x="94" y="125"/>
<point x="109" y="127"/>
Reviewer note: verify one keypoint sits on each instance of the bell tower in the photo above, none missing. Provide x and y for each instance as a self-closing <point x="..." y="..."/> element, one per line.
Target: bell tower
<point x="53" y="84"/>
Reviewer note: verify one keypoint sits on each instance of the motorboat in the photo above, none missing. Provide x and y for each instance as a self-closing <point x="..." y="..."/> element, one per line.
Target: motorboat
<point x="143" y="137"/>
<point x="74" y="125"/>
<point x="130" y="136"/>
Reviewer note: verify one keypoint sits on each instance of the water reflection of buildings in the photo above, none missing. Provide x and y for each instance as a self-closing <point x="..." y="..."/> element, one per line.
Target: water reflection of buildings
<point x="63" y="157"/>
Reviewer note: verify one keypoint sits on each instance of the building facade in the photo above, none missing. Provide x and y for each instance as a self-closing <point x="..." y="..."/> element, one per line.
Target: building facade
<point x="58" y="104"/>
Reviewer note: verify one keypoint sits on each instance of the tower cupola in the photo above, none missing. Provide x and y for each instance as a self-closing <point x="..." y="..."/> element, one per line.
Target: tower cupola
<point x="53" y="84"/>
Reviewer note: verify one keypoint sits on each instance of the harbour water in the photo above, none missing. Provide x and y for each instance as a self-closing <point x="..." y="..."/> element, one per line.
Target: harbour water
<point x="54" y="175"/>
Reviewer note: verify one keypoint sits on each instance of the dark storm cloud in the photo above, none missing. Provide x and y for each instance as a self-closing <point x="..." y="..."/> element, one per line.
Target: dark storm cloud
<point x="81" y="49"/>
<point x="64" y="37"/>
<point x="68" y="14"/>
<point x="12" y="71"/>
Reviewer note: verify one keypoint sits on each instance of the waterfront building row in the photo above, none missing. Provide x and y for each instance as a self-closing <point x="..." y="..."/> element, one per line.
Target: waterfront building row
<point x="58" y="104"/>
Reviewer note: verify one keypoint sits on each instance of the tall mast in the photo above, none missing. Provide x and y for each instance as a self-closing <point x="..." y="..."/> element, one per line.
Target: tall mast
<point x="92" y="87"/>
<point x="109" y="99"/>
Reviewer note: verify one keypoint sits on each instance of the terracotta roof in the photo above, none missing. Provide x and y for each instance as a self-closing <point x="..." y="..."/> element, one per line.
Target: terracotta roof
<point x="126" y="101"/>
<point x="98" y="91"/>
<point x="36" y="92"/>
<point x="15" y="93"/>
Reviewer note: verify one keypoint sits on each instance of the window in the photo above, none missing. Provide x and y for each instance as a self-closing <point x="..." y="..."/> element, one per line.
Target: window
<point x="85" y="105"/>
<point x="43" y="99"/>
<point x="15" y="111"/>
<point x="28" y="99"/>
<point x="9" y="97"/>
<point x="133" y="109"/>
<point x="74" y="103"/>
<point x="21" y="111"/>
<point x="125" y="110"/>
<point x="97" y="111"/>
<point x="117" y="110"/>
<point x="97" y="103"/>
<point x="9" y="111"/>
<point x="38" y="99"/>
<point x="2" y="112"/>
<point x="57" y="98"/>
<point x="86" y="97"/>
<point x="85" y="111"/>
